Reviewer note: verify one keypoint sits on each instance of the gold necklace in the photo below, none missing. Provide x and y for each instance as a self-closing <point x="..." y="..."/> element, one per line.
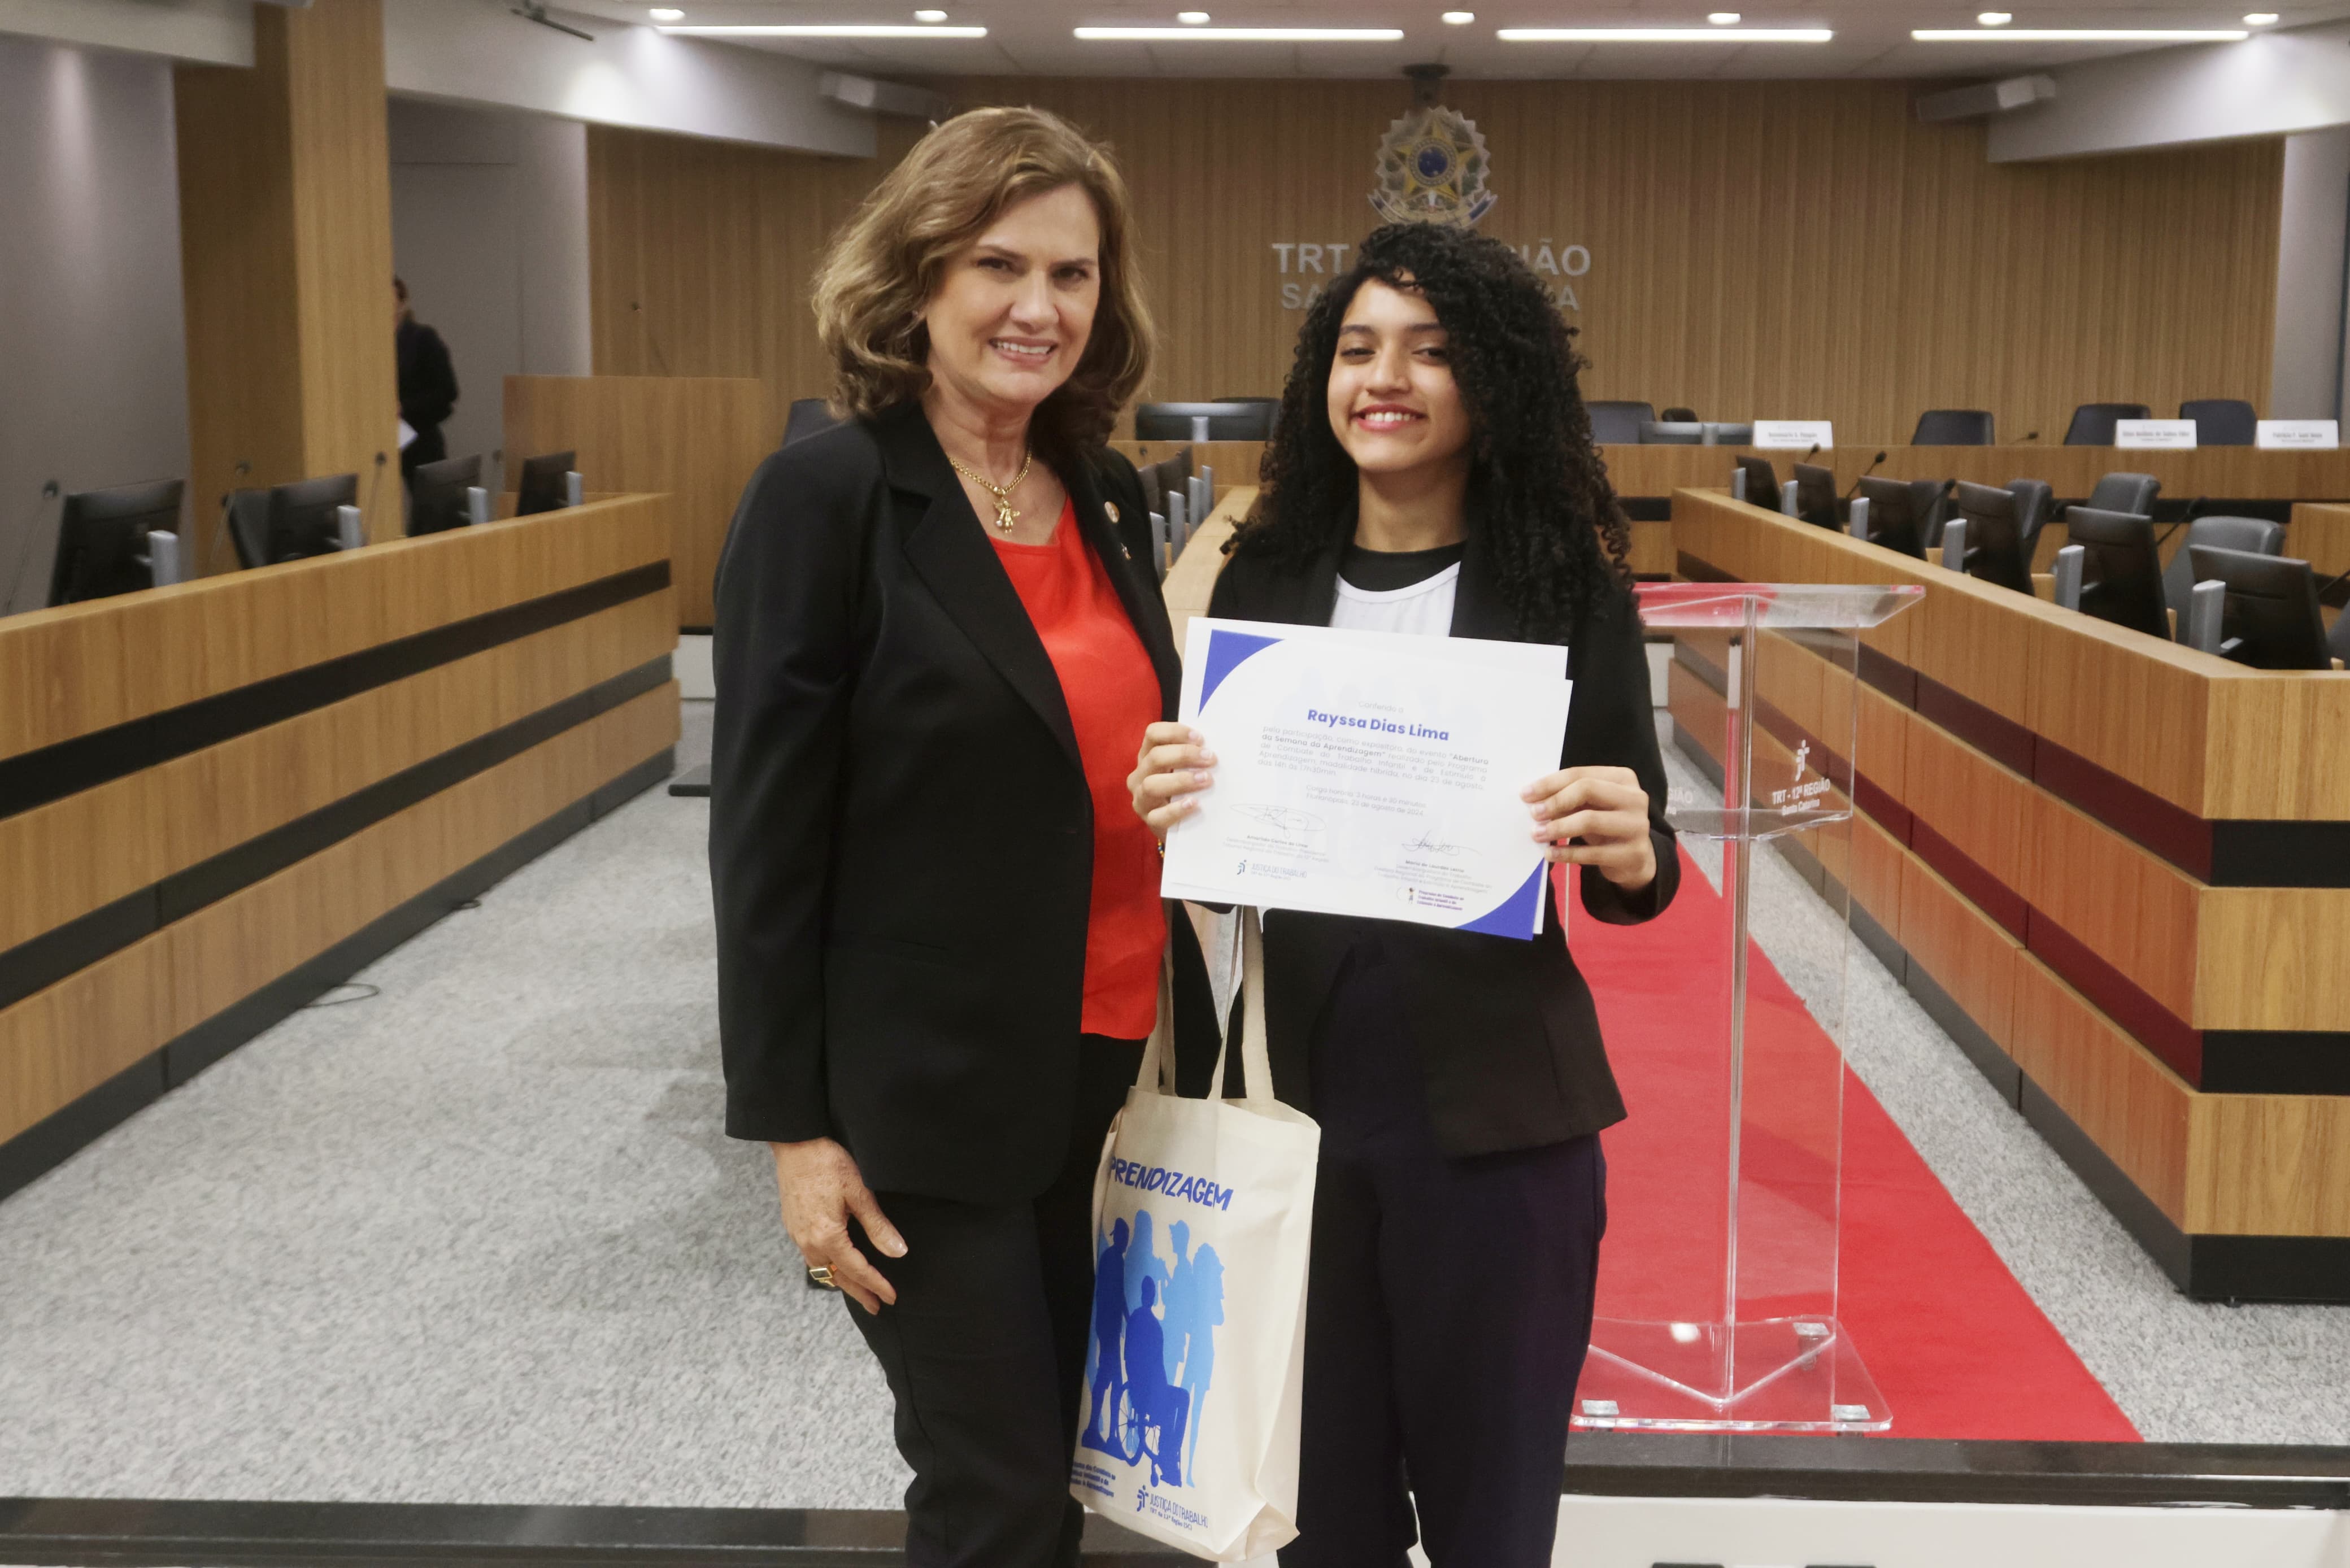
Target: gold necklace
<point x="1004" y="514"/>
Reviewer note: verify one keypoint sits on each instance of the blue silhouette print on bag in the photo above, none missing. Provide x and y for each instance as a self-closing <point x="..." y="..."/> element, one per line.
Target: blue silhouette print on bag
<point x="1195" y="1305"/>
<point x="1110" y="1327"/>
<point x="1152" y="1361"/>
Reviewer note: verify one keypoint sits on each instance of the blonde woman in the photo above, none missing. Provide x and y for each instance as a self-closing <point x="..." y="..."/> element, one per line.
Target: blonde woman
<point x="939" y="934"/>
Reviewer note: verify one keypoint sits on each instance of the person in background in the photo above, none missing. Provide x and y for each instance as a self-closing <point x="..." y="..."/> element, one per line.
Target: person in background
<point x="428" y="383"/>
<point x="1433" y="474"/>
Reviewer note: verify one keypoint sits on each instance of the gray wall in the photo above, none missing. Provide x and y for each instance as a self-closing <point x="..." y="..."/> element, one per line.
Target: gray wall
<point x="489" y="231"/>
<point x="93" y="355"/>
<point x="2305" y="381"/>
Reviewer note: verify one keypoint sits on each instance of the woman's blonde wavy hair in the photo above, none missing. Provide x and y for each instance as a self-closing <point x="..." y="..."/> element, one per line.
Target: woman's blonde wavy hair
<point x="886" y="262"/>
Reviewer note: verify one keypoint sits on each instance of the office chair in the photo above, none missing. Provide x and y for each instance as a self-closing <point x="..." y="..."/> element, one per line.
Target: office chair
<point x="1618" y="423"/>
<point x="102" y="544"/>
<point x="2337" y="640"/>
<point x="2269" y="617"/>
<point x="2093" y="424"/>
<point x="248" y="526"/>
<point x="1953" y="427"/>
<point x="2121" y="577"/>
<point x="2125" y="492"/>
<point x="1893" y="517"/>
<point x="1762" y="482"/>
<point x="1678" y="416"/>
<point x="807" y="416"/>
<point x="2254" y="536"/>
<point x="2222" y="421"/>
<point x="1994" y="548"/>
<point x="438" y="495"/>
<point x="2035" y="502"/>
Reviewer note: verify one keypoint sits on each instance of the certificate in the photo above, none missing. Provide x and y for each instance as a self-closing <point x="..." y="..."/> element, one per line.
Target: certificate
<point x="1372" y="773"/>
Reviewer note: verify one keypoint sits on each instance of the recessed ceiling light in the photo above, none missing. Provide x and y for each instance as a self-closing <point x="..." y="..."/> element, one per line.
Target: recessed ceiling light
<point x="832" y="30"/>
<point x="2080" y="35"/>
<point x="668" y="14"/>
<point x="1240" y="35"/>
<point x="929" y="16"/>
<point x="2262" y="18"/>
<point x="1994" y="18"/>
<point x="1460" y="19"/>
<point x="1193" y="18"/>
<point x="1665" y="34"/>
<point x="1723" y="19"/>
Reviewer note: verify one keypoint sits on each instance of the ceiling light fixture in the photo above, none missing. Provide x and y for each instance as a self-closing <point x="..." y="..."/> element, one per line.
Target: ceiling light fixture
<point x="1665" y="34"/>
<point x="832" y="30"/>
<point x="1240" y="35"/>
<point x="1994" y="18"/>
<point x="1460" y="19"/>
<point x="2262" y="18"/>
<point x="2080" y="35"/>
<point x="1724" y="19"/>
<point x="668" y="14"/>
<point x="929" y="16"/>
<point x="1193" y="18"/>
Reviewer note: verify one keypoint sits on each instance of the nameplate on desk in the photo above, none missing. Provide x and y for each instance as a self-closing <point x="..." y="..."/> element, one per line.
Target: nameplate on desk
<point x="2299" y="435"/>
<point x="2169" y="435"/>
<point x="1794" y="435"/>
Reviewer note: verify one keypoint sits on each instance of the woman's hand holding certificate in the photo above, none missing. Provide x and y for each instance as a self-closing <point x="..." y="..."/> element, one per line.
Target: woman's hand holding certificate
<point x="1367" y="773"/>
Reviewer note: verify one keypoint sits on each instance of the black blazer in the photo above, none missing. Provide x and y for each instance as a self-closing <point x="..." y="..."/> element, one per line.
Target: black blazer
<point x="1506" y="1033"/>
<point x="900" y="835"/>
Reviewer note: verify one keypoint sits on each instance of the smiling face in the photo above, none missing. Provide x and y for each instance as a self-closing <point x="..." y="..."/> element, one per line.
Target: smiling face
<point x="1013" y="313"/>
<point x="1394" y="405"/>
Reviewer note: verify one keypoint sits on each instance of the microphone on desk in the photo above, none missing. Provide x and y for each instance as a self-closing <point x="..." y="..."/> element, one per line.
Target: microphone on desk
<point x="1864" y="474"/>
<point x="2029" y="437"/>
<point x="2330" y="584"/>
<point x="2184" y="518"/>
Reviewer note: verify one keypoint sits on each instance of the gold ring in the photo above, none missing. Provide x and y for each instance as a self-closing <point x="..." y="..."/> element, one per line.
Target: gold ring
<point x="822" y="1274"/>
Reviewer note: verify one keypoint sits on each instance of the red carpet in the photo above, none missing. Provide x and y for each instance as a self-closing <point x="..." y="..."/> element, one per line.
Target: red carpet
<point x="1953" y="1342"/>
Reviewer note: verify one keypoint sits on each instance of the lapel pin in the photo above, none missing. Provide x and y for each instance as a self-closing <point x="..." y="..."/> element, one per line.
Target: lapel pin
<point x="1111" y="507"/>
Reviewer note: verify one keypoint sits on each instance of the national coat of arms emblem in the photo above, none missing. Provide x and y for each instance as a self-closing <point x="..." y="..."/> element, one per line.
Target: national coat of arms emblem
<point x="1431" y="169"/>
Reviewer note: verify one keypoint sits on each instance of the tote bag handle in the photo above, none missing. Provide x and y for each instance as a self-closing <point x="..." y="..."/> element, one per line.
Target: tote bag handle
<point x="1157" y="1072"/>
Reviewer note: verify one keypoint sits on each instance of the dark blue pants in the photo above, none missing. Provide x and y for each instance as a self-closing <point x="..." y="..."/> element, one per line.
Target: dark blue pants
<point x="1448" y="1309"/>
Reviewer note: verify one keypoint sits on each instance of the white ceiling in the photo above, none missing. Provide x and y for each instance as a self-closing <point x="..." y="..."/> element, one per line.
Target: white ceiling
<point x="1872" y="36"/>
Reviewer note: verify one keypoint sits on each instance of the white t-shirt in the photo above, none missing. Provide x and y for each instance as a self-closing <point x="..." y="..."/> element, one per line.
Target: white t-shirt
<point x="1423" y="607"/>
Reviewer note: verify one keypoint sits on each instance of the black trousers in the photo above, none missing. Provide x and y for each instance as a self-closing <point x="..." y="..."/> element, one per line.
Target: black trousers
<point x="985" y="1349"/>
<point x="1447" y="1311"/>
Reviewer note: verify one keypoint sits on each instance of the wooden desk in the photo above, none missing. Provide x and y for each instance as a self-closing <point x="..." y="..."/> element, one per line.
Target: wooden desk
<point x="221" y="798"/>
<point x="2124" y="867"/>
<point x="697" y="438"/>
<point x="2320" y="536"/>
<point x="2218" y="473"/>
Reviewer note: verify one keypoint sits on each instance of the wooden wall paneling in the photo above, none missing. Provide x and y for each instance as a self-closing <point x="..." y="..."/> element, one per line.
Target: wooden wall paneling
<point x="2131" y="1106"/>
<point x="2273" y="958"/>
<point x="1786" y="249"/>
<point x="63" y="1042"/>
<point x="1965" y="950"/>
<point x="2133" y="704"/>
<point x="1883" y="747"/>
<point x="110" y="841"/>
<point x="1877" y="869"/>
<point x="80" y="668"/>
<point x="285" y="250"/>
<point x="2270" y="1165"/>
<point x="2320" y="536"/>
<point x="2134" y="910"/>
<point x="2276" y="743"/>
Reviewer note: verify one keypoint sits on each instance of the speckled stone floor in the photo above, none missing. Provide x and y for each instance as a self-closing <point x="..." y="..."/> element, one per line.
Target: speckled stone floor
<point x="479" y="1238"/>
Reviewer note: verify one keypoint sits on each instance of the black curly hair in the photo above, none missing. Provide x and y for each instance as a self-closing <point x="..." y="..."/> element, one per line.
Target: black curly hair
<point x="1540" y="511"/>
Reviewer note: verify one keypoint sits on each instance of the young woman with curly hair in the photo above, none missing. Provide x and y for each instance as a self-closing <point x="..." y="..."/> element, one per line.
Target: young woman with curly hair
<point x="1433" y="473"/>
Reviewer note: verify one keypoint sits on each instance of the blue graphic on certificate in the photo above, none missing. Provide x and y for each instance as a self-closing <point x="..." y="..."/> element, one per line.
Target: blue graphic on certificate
<point x="1372" y="773"/>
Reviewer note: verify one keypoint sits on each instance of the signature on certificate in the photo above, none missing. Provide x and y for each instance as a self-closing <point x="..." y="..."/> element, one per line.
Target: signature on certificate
<point x="1429" y="844"/>
<point x="1285" y="818"/>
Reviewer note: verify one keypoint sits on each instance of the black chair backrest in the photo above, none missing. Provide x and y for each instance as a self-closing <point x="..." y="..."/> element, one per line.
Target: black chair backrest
<point x="304" y="518"/>
<point x="2222" y="421"/>
<point x="1729" y="433"/>
<point x="1677" y="415"/>
<point x="1762" y="482"/>
<point x="1618" y="423"/>
<point x="2256" y="534"/>
<point x="248" y="527"/>
<point x="1893" y="513"/>
<point x="2034" y="504"/>
<point x="1815" y="494"/>
<point x="437" y="501"/>
<point x="542" y="487"/>
<point x="102" y="539"/>
<point x="1226" y="422"/>
<point x="2125" y="492"/>
<point x="1994" y="544"/>
<point x="2092" y="424"/>
<point x="2121" y="575"/>
<point x="1671" y="432"/>
<point x="2271" y="619"/>
<point x="1953" y="427"/>
<point x="807" y="416"/>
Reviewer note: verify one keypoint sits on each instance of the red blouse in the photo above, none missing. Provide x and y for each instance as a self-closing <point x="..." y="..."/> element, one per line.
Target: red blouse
<point x="1112" y="693"/>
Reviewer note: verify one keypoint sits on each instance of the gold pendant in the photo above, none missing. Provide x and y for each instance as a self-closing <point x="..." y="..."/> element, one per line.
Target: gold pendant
<point x="1004" y="516"/>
